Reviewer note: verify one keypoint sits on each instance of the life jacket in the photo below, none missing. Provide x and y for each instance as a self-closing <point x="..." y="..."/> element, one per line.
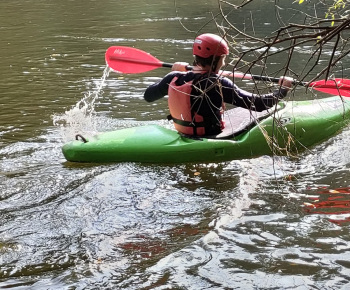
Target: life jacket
<point x="186" y="120"/>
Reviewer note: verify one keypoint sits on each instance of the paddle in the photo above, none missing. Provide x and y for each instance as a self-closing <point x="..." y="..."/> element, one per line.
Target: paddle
<point x="131" y="60"/>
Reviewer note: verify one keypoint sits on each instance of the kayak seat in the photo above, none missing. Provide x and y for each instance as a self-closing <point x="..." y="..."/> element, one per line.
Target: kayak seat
<point x="240" y="120"/>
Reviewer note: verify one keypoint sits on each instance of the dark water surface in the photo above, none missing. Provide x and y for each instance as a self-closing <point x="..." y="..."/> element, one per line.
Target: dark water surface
<point x="263" y="223"/>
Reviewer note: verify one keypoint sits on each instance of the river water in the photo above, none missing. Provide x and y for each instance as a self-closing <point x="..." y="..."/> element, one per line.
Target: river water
<point x="262" y="223"/>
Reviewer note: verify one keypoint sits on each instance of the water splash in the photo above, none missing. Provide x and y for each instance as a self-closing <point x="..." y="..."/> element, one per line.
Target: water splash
<point x="81" y="118"/>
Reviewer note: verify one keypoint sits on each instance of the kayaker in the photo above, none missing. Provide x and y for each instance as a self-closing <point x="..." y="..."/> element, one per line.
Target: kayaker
<point x="197" y="98"/>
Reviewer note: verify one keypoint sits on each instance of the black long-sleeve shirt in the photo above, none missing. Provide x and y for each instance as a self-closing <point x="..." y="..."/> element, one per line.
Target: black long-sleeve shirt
<point x="217" y="90"/>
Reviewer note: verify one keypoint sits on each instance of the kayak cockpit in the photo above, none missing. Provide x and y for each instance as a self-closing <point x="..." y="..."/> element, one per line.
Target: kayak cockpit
<point x="238" y="121"/>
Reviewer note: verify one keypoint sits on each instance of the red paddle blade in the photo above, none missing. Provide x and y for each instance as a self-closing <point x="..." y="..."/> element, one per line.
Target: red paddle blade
<point x="130" y="60"/>
<point x="337" y="87"/>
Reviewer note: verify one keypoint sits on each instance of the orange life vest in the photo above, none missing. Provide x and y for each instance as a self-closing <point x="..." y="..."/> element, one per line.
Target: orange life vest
<point x="186" y="120"/>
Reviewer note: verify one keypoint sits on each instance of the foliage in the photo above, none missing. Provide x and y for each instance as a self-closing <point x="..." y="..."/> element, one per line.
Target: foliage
<point x="318" y="27"/>
<point x="337" y="7"/>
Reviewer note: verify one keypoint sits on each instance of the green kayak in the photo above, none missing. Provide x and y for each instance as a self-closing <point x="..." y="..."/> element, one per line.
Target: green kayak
<point x="284" y="129"/>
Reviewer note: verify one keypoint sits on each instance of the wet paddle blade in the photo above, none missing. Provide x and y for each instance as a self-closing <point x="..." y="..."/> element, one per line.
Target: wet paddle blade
<point x="130" y="60"/>
<point x="336" y="87"/>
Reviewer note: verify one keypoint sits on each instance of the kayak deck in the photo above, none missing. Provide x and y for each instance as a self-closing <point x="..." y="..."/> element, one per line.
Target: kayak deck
<point x="240" y="120"/>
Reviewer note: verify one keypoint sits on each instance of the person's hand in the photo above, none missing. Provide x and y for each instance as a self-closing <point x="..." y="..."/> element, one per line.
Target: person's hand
<point x="179" y="66"/>
<point x="286" y="82"/>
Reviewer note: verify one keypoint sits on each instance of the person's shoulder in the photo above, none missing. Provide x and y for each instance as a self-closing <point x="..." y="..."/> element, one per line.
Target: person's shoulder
<point x="225" y="80"/>
<point x="190" y="75"/>
<point x="168" y="77"/>
<point x="179" y="77"/>
<point x="178" y="74"/>
<point x="184" y="76"/>
<point x="172" y="73"/>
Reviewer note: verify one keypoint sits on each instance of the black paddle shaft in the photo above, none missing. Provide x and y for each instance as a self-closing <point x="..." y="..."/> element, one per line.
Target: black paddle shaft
<point x="254" y="77"/>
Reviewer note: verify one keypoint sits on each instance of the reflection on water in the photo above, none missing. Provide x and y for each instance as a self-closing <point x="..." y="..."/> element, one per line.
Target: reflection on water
<point x="195" y="226"/>
<point x="332" y="202"/>
<point x="233" y="225"/>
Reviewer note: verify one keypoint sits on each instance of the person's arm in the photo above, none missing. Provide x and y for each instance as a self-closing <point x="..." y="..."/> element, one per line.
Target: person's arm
<point x="241" y="98"/>
<point x="158" y="90"/>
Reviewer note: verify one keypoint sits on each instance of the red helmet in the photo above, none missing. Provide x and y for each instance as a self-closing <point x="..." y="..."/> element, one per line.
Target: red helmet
<point x="209" y="44"/>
